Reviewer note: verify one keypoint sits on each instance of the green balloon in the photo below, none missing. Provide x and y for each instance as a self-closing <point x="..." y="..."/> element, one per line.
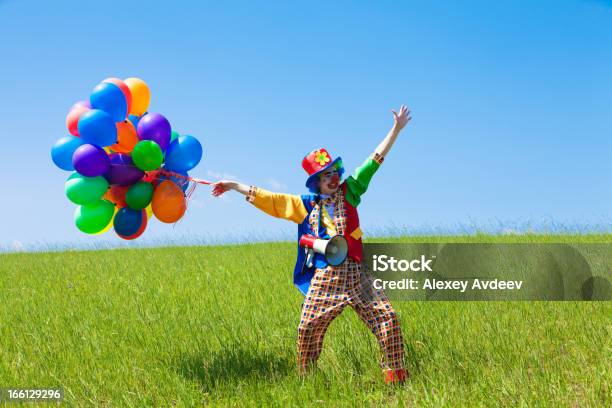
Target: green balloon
<point x="85" y="190"/>
<point x="139" y="195"/>
<point x="147" y="155"/>
<point x="173" y="136"/>
<point x="93" y="218"/>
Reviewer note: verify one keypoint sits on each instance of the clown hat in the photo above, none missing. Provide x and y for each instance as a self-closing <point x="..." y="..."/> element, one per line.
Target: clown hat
<point x="315" y="163"/>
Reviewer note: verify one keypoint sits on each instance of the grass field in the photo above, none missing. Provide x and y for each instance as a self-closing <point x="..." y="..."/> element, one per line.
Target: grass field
<point x="217" y="325"/>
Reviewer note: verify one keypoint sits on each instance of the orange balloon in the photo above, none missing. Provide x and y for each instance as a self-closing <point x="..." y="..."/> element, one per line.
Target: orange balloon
<point x="124" y="88"/>
<point x="126" y="137"/>
<point x="141" y="95"/>
<point x="116" y="195"/>
<point x="168" y="202"/>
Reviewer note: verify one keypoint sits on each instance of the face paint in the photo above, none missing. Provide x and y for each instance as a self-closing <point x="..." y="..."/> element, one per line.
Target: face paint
<point x="329" y="181"/>
<point x="329" y="175"/>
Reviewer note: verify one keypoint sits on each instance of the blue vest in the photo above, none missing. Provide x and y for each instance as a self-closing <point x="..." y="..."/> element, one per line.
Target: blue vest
<point x="301" y="274"/>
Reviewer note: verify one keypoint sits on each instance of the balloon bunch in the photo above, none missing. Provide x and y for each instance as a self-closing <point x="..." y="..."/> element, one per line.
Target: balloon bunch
<point x="129" y="163"/>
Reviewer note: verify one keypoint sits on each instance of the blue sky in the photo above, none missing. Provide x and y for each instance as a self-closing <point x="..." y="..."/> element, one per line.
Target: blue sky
<point x="512" y="105"/>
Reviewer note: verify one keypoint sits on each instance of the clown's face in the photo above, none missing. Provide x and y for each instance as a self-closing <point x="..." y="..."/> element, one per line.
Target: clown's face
<point x="329" y="181"/>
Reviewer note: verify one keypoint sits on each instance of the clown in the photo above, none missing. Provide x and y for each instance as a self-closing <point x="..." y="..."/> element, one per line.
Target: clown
<point x="329" y="210"/>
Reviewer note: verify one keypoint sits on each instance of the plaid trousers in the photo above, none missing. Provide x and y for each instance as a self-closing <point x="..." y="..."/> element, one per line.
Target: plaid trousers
<point x="331" y="290"/>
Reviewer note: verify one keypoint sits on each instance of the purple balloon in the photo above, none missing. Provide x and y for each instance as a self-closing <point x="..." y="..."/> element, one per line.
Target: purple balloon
<point x="90" y="160"/>
<point x="122" y="170"/>
<point x="155" y="127"/>
<point x="121" y="158"/>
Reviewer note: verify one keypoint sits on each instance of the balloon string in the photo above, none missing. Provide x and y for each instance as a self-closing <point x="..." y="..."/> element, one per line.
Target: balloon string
<point x="168" y="173"/>
<point x="190" y="191"/>
<point x="191" y="188"/>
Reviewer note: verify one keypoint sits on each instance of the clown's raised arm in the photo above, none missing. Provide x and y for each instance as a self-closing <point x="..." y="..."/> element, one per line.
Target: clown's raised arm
<point x="358" y="182"/>
<point x="399" y="121"/>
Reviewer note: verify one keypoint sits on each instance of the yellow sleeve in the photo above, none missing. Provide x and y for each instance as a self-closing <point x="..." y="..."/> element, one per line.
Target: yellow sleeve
<point x="286" y="206"/>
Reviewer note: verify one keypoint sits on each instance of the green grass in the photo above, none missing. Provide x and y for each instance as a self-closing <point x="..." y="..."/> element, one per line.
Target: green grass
<point x="217" y="325"/>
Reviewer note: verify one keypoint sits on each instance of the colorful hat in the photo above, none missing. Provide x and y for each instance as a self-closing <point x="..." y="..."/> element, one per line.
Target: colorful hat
<point x="317" y="162"/>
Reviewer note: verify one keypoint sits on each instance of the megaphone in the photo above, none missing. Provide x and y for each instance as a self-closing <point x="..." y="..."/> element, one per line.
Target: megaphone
<point x="335" y="249"/>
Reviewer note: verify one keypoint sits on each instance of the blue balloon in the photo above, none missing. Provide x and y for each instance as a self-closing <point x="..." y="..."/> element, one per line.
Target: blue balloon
<point x="134" y="119"/>
<point x="183" y="154"/>
<point x="109" y="98"/>
<point x="98" y="128"/>
<point x="181" y="182"/>
<point x="127" y="221"/>
<point x="62" y="151"/>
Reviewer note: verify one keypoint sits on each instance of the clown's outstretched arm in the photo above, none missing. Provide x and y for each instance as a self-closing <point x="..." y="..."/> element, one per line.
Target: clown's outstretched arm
<point x="399" y="121"/>
<point x="287" y="206"/>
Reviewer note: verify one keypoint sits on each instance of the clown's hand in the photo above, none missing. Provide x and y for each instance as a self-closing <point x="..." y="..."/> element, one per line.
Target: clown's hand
<point x="222" y="186"/>
<point x="402" y="118"/>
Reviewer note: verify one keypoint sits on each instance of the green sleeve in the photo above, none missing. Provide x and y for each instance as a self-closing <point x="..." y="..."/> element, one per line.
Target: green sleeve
<point x="358" y="182"/>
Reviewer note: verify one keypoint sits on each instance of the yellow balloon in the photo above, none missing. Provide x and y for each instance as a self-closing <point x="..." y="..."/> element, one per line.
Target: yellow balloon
<point x="149" y="211"/>
<point x="110" y="224"/>
<point x="141" y="96"/>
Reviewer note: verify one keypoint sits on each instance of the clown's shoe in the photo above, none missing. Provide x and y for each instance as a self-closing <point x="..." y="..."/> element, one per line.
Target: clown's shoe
<point x="397" y="376"/>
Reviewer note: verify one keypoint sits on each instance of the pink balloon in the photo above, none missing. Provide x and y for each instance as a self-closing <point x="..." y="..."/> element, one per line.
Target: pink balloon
<point x="72" y="119"/>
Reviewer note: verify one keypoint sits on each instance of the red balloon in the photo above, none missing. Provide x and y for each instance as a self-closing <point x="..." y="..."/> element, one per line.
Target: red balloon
<point x="152" y="177"/>
<point x="116" y="195"/>
<point x="142" y="228"/>
<point x="124" y="88"/>
<point x="72" y="119"/>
